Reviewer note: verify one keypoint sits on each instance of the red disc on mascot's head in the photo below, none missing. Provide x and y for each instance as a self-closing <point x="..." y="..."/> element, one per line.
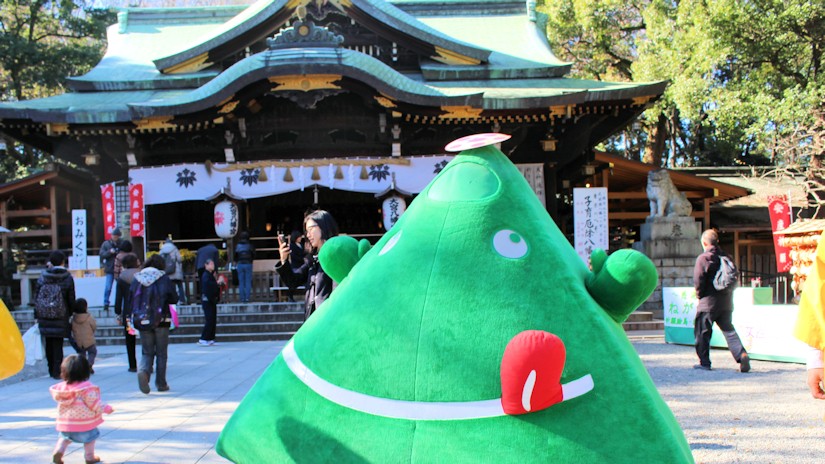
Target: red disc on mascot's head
<point x="476" y="141"/>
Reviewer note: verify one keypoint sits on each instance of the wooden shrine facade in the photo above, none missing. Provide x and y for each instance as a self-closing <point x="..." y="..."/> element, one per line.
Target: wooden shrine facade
<point x="290" y="84"/>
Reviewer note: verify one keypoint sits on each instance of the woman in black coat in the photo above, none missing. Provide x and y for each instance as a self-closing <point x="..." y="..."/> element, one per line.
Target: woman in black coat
<point x="129" y="266"/>
<point x="319" y="226"/>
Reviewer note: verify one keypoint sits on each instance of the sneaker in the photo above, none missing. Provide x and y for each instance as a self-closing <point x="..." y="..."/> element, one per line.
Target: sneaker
<point x="143" y="382"/>
<point x="702" y="367"/>
<point x="94" y="460"/>
<point x="57" y="457"/>
<point x="745" y="363"/>
<point x="163" y="388"/>
<point x="211" y="343"/>
<point x="203" y="343"/>
<point x="132" y="369"/>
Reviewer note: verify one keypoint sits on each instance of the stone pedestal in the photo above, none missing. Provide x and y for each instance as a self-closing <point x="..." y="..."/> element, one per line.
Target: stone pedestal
<point x="672" y="243"/>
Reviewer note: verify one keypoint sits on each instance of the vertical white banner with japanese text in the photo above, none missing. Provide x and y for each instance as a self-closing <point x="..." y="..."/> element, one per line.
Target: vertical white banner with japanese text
<point x="79" y="235"/>
<point x="107" y="196"/>
<point x="590" y="221"/>
<point x="136" y="212"/>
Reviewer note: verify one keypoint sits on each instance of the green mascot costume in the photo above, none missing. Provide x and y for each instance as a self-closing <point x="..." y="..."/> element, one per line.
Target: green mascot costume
<point x="471" y="332"/>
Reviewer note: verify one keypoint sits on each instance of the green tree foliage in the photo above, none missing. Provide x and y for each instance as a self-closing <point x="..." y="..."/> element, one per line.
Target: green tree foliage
<point x="41" y="43"/>
<point x="746" y="84"/>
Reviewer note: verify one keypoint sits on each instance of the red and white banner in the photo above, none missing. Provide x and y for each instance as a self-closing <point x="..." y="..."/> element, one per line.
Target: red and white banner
<point x="780" y="212"/>
<point x="107" y="194"/>
<point x="136" y="212"/>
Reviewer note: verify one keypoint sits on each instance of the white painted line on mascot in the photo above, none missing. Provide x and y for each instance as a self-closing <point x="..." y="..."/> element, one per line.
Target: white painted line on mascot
<point x="411" y="410"/>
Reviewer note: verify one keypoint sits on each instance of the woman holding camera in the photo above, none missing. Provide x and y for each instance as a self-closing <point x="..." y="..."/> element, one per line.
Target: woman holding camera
<point x="318" y="226"/>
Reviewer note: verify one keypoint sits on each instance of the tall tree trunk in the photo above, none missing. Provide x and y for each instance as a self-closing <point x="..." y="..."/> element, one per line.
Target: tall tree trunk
<point x="655" y="146"/>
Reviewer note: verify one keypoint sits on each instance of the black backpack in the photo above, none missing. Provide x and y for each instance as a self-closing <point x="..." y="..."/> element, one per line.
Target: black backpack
<point x="169" y="262"/>
<point x="147" y="307"/>
<point x="49" y="302"/>
<point x="727" y="277"/>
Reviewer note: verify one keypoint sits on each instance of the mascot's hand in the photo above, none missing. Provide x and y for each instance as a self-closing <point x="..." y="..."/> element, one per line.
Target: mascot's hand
<point x="621" y="282"/>
<point x="340" y="254"/>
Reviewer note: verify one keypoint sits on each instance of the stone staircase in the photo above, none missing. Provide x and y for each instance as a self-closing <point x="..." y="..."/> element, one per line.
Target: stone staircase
<point x="252" y="321"/>
<point x="642" y="320"/>
<point x="236" y="322"/>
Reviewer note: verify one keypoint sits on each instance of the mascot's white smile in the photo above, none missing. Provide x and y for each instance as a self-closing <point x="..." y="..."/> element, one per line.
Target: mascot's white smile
<point x="419" y="410"/>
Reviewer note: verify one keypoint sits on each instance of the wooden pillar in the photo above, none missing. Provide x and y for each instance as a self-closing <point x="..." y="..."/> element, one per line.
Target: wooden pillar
<point x="706" y="210"/>
<point x="736" y="248"/>
<point x="53" y="215"/>
<point x="550" y="190"/>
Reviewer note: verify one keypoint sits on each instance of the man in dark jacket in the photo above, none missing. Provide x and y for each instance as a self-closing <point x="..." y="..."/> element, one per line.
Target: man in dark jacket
<point x="54" y="327"/>
<point x="244" y="255"/>
<point x="108" y="251"/>
<point x="204" y="253"/>
<point x="714" y="306"/>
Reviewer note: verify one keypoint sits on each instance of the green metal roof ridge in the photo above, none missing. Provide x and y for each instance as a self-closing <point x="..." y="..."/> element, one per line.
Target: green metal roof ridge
<point x="408" y="24"/>
<point x="501" y="66"/>
<point x="252" y="18"/>
<point x="535" y="93"/>
<point x="261" y="14"/>
<point x="290" y="61"/>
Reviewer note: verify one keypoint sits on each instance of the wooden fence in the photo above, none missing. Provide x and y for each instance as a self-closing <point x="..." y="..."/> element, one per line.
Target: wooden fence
<point x="266" y="287"/>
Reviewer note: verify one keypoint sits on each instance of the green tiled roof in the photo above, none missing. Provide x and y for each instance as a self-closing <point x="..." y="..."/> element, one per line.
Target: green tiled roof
<point x="518" y="69"/>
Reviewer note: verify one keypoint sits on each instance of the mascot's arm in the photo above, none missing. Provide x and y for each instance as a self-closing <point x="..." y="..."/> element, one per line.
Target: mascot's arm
<point x="340" y="254"/>
<point x="621" y="282"/>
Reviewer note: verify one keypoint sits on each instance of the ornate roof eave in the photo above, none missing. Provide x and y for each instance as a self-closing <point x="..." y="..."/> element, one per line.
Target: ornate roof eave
<point x="266" y="17"/>
<point x="305" y="69"/>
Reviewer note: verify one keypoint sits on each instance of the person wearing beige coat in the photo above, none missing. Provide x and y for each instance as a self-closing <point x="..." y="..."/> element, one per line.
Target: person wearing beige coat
<point x="83" y="332"/>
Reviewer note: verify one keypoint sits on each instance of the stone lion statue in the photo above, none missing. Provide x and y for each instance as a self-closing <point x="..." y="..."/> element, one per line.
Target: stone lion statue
<point x="665" y="200"/>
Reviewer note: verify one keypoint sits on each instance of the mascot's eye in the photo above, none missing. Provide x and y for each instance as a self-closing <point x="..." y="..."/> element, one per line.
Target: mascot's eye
<point x="390" y="243"/>
<point x="509" y="244"/>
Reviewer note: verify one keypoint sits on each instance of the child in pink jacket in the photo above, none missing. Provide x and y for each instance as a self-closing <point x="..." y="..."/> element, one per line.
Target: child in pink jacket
<point x="79" y="409"/>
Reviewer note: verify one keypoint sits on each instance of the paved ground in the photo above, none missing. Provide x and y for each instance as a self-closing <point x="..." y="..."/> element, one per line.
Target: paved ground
<point x="763" y="417"/>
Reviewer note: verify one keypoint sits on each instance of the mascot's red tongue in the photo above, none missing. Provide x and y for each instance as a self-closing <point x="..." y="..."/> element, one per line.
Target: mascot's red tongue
<point x="531" y="372"/>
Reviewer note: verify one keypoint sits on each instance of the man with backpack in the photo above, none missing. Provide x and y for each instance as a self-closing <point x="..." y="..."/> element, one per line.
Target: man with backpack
<point x="714" y="278"/>
<point x="108" y="251"/>
<point x="53" y="303"/>
<point x="150" y="295"/>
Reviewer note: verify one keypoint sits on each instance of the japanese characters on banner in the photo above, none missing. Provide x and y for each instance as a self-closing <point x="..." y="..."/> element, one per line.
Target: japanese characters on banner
<point x="226" y="219"/>
<point x="590" y="221"/>
<point x="136" y="212"/>
<point x="107" y="194"/>
<point x="392" y="209"/>
<point x="780" y="212"/>
<point x="79" y="235"/>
